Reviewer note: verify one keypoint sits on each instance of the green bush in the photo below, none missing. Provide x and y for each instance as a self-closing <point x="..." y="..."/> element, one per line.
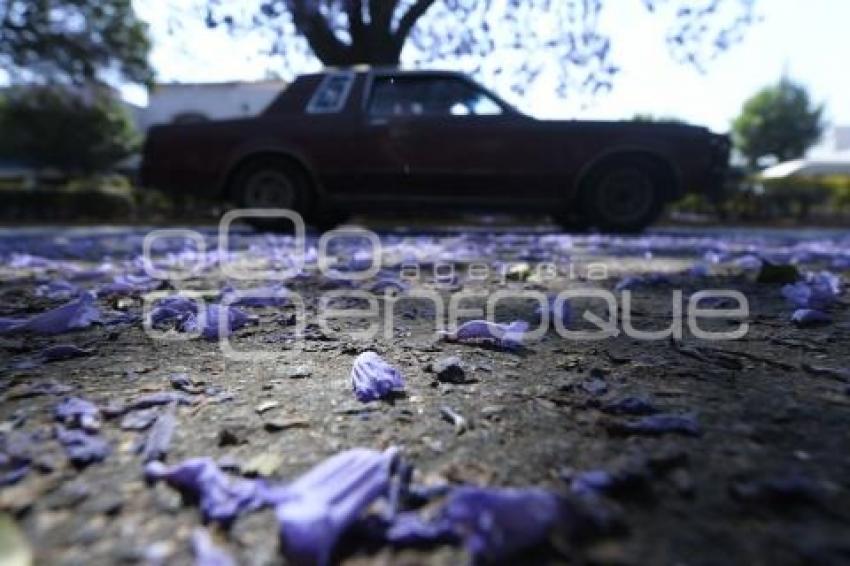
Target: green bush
<point x="77" y="132"/>
<point x="795" y="197"/>
<point x="58" y="205"/>
<point x="774" y="199"/>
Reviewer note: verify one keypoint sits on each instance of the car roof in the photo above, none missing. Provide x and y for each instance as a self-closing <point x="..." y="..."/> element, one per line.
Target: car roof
<point x="295" y="97"/>
<point x="388" y="70"/>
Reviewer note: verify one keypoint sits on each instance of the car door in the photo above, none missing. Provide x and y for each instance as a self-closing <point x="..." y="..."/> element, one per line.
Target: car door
<point x="454" y="142"/>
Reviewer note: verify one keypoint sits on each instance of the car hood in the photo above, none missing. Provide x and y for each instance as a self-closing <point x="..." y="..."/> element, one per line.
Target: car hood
<point x="677" y="129"/>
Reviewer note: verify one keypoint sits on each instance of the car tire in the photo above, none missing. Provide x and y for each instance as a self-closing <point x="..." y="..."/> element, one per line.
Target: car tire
<point x="271" y="183"/>
<point x="571" y="222"/>
<point x="325" y="220"/>
<point x="624" y="197"/>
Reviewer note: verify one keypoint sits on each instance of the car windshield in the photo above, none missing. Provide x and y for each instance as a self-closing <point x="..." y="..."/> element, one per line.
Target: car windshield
<point x="414" y="96"/>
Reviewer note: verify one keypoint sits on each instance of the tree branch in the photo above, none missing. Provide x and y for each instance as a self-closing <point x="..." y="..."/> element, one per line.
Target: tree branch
<point x="409" y="19"/>
<point x="381" y="13"/>
<point x="324" y="43"/>
<point x="356" y="25"/>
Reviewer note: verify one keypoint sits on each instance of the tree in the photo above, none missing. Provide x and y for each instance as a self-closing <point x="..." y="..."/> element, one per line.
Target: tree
<point x="80" y="131"/>
<point x="779" y="122"/>
<point x="519" y="39"/>
<point x="649" y="117"/>
<point x="73" y="41"/>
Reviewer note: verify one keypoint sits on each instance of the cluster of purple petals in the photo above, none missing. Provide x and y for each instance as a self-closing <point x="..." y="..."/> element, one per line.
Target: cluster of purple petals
<point x="78" y="413"/>
<point x="812" y="296"/>
<point x="816" y="291"/>
<point x="211" y="321"/>
<point x="315" y="510"/>
<point x="82" y="447"/>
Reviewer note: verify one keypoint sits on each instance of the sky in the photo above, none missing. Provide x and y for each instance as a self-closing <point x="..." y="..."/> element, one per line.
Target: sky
<point x="807" y="39"/>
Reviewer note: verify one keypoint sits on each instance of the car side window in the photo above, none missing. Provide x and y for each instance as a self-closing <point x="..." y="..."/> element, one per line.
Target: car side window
<point x="429" y="96"/>
<point x="331" y="94"/>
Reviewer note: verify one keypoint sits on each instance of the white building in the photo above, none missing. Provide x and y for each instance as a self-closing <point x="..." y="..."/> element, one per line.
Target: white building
<point x="835" y="145"/>
<point x="830" y="157"/>
<point x="187" y="102"/>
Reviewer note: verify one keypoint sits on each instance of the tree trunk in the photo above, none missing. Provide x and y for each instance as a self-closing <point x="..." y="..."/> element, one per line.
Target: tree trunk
<point x="373" y="42"/>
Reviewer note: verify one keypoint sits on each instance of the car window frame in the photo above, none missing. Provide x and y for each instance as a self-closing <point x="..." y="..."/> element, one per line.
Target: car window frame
<point x="312" y="104"/>
<point x="369" y="91"/>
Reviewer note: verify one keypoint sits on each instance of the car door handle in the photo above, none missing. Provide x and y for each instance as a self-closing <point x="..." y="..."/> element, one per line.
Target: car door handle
<point x="378" y="122"/>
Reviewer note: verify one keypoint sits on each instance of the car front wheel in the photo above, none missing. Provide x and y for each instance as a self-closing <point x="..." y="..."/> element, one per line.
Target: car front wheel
<point x="622" y="198"/>
<point x="267" y="184"/>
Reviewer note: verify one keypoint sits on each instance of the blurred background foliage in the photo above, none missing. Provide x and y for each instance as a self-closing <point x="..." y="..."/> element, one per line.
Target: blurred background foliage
<point x="77" y="131"/>
<point x="779" y="123"/>
<point x="792" y="200"/>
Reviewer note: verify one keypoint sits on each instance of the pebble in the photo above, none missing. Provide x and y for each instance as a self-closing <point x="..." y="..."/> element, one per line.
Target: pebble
<point x="297" y="372"/>
<point x="448" y="370"/>
<point x="683" y="482"/>
<point x="233" y="435"/>
<point x="456" y="419"/>
<point x="264" y="464"/>
<point x="266" y="406"/>
<point x="277" y="425"/>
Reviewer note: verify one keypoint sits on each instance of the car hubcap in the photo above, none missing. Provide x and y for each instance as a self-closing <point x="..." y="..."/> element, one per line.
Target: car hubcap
<point x="269" y="189"/>
<point x="625" y="196"/>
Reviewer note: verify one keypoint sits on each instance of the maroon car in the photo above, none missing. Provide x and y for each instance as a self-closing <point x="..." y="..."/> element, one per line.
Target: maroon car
<point x="349" y="141"/>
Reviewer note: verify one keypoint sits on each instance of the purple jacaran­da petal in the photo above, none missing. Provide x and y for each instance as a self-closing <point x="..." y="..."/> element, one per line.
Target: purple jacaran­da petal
<point x="58" y="290"/>
<point x="158" y="440"/>
<point x="139" y="420"/>
<point x="825" y="284"/>
<point x="150" y="400"/>
<point x="207" y="553"/>
<point x="269" y="296"/>
<point x="373" y="378"/>
<point x="818" y="290"/>
<point x="318" y="507"/>
<point x="749" y="263"/>
<point x="78" y="412"/>
<point x="82" y="448"/>
<point x="79" y="313"/>
<point x="797" y="294"/>
<point x="10" y="324"/>
<point x="128" y="284"/>
<point x="176" y="307"/>
<point x="495" y="523"/>
<point x="506" y="335"/>
<point x="217" y="321"/>
<point x="15" y="456"/>
<point x="220" y="497"/>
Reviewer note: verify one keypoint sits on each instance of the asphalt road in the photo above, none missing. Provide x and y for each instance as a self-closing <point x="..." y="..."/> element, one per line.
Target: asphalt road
<point x="748" y="463"/>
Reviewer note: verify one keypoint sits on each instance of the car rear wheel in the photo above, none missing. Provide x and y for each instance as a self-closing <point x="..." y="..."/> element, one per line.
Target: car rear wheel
<point x="625" y="197"/>
<point x="267" y="184"/>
